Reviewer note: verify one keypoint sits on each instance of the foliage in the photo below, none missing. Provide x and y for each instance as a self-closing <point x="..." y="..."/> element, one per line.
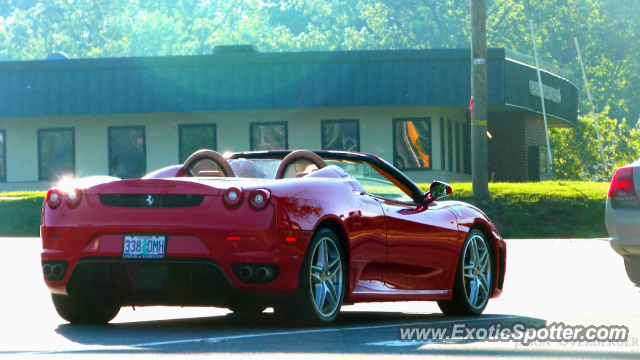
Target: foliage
<point x="550" y="209"/>
<point x="24" y="194"/>
<point x="20" y="216"/>
<point x="558" y="189"/>
<point x="579" y="153"/>
<point x="607" y="29"/>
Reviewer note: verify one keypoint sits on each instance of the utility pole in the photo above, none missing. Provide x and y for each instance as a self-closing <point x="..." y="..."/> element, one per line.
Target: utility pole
<point x="479" y="171"/>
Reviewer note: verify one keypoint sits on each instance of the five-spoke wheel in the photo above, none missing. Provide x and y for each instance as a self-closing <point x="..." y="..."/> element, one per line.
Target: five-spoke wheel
<point x="476" y="271"/>
<point x="472" y="285"/>
<point x="320" y="285"/>
<point x="326" y="276"/>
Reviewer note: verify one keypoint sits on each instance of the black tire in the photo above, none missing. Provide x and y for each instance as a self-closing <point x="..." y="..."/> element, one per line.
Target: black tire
<point x="460" y="304"/>
<point x="633" y="270"/>
<point x="302" y="309"/>
<point x="80" y="312"/>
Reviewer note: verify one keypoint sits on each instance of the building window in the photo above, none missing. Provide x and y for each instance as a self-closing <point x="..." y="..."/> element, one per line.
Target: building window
<point x="196" y="137"/>
<point x="341" y="135"/>
<point x="442" y="146"/>
<point x="450" y="144"/>
<point x="3" y="156"/>
<point x="269" y="136"/>
<point x="458" y="147"/>
<point x="56" y="154"/>
<point x="127" y="152"/>
<point x="412" y="143"/>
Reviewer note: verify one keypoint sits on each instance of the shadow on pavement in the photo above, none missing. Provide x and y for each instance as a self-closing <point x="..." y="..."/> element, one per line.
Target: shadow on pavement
<point x="355" y="333"/>
<point x="264" y="333"/>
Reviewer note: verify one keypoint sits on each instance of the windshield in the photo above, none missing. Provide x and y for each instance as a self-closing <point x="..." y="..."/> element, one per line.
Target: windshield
<point x="255" y="168"/>
<point x="371" y="180"/>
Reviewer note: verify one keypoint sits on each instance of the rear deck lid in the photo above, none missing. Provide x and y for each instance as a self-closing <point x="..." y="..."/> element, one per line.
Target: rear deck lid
<point x="154" y="187"/>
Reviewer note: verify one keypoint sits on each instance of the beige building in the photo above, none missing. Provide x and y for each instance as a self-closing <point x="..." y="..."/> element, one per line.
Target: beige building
<point x="128" y="117"/>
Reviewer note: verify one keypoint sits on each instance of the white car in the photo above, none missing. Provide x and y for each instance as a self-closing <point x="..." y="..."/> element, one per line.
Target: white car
<point x="622" y="217"/>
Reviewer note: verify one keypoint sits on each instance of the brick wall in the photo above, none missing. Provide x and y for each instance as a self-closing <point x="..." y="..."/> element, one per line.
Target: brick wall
<point x="534" y="133"/>
<point x="512" y="134"/>
<point x="508" y="160"/>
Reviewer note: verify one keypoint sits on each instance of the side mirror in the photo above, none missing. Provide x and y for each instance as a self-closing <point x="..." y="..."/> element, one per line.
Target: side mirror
<point x="437" y="190"/>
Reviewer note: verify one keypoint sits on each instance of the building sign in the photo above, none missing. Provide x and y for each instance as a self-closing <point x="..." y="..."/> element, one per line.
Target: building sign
<point x="549" y="92"/>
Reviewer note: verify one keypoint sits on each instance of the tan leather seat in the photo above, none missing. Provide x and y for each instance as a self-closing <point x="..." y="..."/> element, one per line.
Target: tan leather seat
<point x="299" y="155"/>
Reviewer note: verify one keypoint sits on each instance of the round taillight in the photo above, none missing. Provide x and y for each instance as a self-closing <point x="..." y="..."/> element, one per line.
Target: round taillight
<point x="233" y="196"/>
<point x="260" y="198"/>
<point x="54" y="198"/>
<point x="73" y="197"/>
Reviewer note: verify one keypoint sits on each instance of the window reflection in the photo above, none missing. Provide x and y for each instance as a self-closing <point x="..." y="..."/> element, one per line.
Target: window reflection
<point x="127" y="153"/>
<point x="196" y="137"/>
<point x="56" y="154"/>
<point x="269" y="136"/>
<point x="412" y="143"/>
<point x="341" y="135"/>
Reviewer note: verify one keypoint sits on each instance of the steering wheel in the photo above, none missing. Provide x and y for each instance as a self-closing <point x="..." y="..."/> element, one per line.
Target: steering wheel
<point x="208" y="163"/>
<point x="302" y="156"/>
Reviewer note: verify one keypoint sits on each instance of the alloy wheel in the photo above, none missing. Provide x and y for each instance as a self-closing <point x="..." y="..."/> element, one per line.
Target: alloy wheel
<point x="326" y="277"/>
<point x="476" y="271"/>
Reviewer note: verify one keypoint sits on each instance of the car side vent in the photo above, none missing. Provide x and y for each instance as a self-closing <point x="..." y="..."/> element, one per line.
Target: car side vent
<point x="151" y="201"/>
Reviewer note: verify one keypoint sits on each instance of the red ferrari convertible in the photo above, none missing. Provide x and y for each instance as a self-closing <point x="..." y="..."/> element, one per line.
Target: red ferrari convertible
<point x="303" y="232"/>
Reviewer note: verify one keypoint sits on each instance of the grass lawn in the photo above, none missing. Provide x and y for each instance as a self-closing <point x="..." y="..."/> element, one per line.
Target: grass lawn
<point x="550" y="209"/>
<point x="553" y="209"/>
<point x="20" y="213"/>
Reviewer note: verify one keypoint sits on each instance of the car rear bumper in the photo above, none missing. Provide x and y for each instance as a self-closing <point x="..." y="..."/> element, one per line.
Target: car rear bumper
<point x="623" y="226"/>
<point x="200" y="268"/>
<point x="186" y="282"/>
<point x="627" y="248"/>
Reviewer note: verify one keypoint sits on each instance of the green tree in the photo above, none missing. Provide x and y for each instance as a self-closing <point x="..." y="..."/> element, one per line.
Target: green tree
<point x="578" y="153"/>
<point x="608" y="31"/>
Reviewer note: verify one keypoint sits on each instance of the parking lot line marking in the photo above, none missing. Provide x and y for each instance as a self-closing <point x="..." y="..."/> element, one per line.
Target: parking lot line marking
<point x="398" y="343"/>
<point x="248" y="336"/>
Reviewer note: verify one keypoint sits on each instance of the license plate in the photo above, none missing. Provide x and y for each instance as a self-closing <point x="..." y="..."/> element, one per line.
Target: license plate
<point x="144" y="246"/>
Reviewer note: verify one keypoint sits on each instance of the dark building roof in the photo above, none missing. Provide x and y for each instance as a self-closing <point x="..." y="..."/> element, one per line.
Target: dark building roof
<point x="233" y="81"/>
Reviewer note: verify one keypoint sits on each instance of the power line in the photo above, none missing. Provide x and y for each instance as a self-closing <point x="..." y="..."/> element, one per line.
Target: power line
<point x="544" y="110"/>
<point x="586" y="85"/>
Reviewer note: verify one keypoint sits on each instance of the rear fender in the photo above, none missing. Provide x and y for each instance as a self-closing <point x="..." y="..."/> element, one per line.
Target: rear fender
<point x="469" y="217"/>
<point x="302" y="203"/>
<point x="167" y="172"/>
<point x="153" y="187"/>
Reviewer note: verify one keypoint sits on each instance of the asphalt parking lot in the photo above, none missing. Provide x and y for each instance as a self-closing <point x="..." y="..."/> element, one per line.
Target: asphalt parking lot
<point x="578" y="282"/>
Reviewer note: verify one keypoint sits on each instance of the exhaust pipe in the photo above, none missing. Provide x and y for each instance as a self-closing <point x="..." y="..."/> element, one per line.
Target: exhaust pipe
<point x="57" y="270"/>
<point x="246" y="272"/>
<point x="263" y="273"/>
<point x="46" y="270"/>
